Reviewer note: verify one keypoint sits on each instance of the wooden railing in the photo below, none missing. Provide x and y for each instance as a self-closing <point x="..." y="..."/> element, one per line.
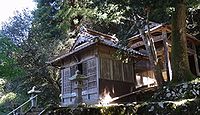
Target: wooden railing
<point x="18" y="110"/>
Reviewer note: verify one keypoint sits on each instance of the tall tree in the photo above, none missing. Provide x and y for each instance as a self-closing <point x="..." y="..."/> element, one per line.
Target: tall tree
<point x="40" y="38"/>
<point x="180" y="64"/>
<point x="44" y="38"/>
<point x="8" y="63"/>
<point x="18" y="26"/>
<point x="10" y="72"/>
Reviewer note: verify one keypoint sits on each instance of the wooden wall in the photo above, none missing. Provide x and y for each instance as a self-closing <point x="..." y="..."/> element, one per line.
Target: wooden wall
<point x="113" y="67"/>
<point x="116" y="89"/>
<point x="84" y="61"/>
<point x="117" y="76"/>
<point x="116" y="70"/>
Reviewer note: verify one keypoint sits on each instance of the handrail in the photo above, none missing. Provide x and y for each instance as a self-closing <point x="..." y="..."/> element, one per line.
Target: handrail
<point x="43" y="111"/>
<point x="22" y="105"/>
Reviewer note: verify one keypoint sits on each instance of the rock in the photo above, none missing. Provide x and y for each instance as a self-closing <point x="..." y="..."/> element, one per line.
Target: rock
<point x="152" y="108"/>
<point x="168" y="95"/>
<point x="161" y="104"/>
<point x="197" y="92"/>
<point x="180" y="91"/>
<point x="173" y="94"/>
<point x="185" y="85"/>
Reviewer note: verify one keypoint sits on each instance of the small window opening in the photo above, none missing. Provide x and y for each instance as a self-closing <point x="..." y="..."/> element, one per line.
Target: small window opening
<point x="80" y="68"/>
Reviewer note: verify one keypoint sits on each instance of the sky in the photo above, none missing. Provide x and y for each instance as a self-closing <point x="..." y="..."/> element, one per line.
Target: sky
<point x="8" y="7"/>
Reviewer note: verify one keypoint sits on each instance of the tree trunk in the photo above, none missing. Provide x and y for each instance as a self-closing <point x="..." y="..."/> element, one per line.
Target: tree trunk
<point x="150" y="47"/>
<point x="154" y="62"/>
<point x="180" y="64"/>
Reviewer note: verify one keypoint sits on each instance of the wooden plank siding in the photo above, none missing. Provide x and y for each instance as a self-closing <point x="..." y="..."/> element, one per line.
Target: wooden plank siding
<point x="117" y="77"/>
<point x="113" y="68"/>
<point x="117" y="70"/>
<point x="105" y="68"/>
<point x="116" y="88"/>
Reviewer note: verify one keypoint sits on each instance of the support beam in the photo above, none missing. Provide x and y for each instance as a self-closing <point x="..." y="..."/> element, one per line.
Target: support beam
<point x="166" y="56"/>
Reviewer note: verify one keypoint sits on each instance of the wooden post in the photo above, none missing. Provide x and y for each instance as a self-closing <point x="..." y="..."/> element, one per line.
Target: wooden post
<point x="122" y="71"/>
<point x="98" y="69"/>
<point x="196" y="59"/>
<point x="196" y="64"/>
<point x="111" y="69"/>
<point x="151" y="50"/>
<point x="166" y="56"/>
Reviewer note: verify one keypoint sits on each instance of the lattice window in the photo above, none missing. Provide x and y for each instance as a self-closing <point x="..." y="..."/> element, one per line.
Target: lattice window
<point x="91" y="73"/>
<point x="66" y="84"/>
<point x="84" y="72"/>
<point x="87" y="68"/>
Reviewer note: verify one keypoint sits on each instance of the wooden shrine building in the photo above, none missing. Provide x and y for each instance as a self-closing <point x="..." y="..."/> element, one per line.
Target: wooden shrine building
<point x="93" y="55"/>
<point x="161" y="35"/>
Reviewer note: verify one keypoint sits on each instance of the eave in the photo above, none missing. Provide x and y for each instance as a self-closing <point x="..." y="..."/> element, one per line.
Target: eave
<point x="69" y="53"/>
<point x="56" y="60"/>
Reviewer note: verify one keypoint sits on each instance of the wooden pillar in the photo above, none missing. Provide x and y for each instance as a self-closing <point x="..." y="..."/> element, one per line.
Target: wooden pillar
<point x="62" y="88"/>
<point x="98" y="70"/>
<point x="196" y="64"/>
<point x="196" y="59"/>
<point x="111" y="69"/>
<point x="134" y="72"/>
<point x="166" y="56"/>
<point x="122" y="71"/>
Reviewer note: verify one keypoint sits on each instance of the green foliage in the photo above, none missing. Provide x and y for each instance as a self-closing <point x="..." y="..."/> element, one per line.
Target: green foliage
<point x="9" y="71"/>
<point x="40" y="37"/>
<point x="5" y="102"/>
<point x="8" y="63"/>
<point x="7" y="97"/>
<point x="42" y="43"/>
<point x="193" y="25"/>
<point x="18" y="26"/>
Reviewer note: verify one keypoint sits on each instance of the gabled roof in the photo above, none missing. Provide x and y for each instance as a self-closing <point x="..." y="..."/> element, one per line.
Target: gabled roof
<point x="158" y="27"/>
<point x="88" y="37"/>
<point x="153" y="26"/>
